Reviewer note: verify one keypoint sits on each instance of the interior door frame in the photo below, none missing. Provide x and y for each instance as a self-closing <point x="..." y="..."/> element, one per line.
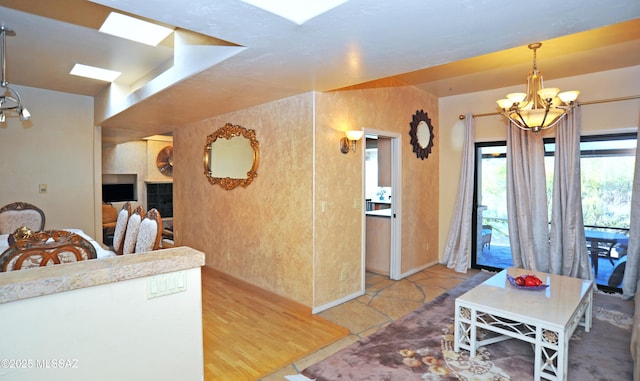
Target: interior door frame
<point x="396" y="204"/>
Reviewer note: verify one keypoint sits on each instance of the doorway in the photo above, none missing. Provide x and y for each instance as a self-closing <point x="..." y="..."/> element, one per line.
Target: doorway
<point x="382" y="192"/>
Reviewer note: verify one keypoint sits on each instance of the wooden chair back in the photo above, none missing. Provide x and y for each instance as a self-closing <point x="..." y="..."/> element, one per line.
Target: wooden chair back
<point x="46" y="248"/>
<point x="133" y="225"/>
<point x="150" y="232"/>
<point x="19" y="214"/>
<point x="121" y="228"/>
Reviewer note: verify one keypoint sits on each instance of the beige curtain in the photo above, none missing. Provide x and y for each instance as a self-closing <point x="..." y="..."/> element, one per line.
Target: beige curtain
<point x="568" y="246"/>
<point x="527" y="200"/>
<point x="630" y="280"/>
<point x="459" y="243"/>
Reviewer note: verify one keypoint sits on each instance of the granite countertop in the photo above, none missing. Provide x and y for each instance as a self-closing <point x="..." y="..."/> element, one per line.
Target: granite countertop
<point x="379" y="213"/>
<point x="23" y="284"/>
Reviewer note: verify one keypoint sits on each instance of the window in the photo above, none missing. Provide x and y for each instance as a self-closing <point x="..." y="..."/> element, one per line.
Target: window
<point x="607" y="167"/>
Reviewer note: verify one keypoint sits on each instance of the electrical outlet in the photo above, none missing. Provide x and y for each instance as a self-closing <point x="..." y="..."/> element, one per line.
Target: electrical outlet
<point x="344" y="274"/>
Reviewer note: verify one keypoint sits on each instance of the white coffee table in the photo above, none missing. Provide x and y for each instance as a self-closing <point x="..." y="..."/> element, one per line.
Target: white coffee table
<point x="545" y="318"/>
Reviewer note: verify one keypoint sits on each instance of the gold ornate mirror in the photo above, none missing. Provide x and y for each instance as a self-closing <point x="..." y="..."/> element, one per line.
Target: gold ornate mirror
<point x="231" y="157"/>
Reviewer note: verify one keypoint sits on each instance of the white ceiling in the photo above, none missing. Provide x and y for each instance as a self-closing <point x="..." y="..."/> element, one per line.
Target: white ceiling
<point x="242" y="56"/>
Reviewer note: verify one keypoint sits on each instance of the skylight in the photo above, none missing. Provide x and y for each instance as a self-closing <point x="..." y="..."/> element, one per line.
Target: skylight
<point x="134" y="29"/>
<point x="94" y="73"/>
<point x="298" y="11"/>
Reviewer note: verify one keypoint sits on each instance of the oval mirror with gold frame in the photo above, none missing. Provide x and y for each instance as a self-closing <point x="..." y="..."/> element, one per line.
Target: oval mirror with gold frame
<point x="421" y="133"/>
<point x="231" y="157"/>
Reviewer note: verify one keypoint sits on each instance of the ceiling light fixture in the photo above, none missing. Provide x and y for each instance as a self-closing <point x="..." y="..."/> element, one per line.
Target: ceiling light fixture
<point x="539" y="108"/>
<point x="10" y="99"/>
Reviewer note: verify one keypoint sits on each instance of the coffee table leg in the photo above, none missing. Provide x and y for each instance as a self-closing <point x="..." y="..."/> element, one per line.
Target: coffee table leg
<point x="588" y="313"/>
<point x="537" y="362"/>
<point x="472" y="333"/>
<point x="563" y="358"/>
<point x="457" y="330"/>
<point x="551" y="354"/>
<point x="464" y="332"/>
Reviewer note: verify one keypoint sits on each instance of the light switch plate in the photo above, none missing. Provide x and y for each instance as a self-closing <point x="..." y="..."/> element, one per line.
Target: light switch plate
<point x="166" y="284"/>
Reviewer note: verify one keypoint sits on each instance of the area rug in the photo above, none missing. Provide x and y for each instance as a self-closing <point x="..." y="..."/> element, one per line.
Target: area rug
<point x="419" y="346"/>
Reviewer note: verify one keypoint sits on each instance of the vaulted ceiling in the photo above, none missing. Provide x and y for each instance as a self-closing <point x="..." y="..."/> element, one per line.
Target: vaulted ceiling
<point x="229" y="55"/>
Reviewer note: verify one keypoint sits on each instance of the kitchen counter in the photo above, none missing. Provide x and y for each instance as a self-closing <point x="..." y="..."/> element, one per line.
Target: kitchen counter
<point x="379" y="213"/>
<point x="50" y="280"/>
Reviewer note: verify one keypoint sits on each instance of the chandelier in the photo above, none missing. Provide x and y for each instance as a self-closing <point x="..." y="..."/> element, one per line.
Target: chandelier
<point x="9" y="98"/>
<point x="539" y="108"/>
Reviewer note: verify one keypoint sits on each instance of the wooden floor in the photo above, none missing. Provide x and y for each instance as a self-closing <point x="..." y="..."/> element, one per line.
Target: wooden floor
<point x="249" y="332"/>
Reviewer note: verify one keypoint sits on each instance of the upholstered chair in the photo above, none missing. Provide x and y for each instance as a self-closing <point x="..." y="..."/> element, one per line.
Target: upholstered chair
<point x="121" y="228"/>
<point x="46" y="248"/>
<point x="150" y="232"/>
<point x="19" y="214"/>
<point x="131" y="235"/>
<point x="109" y="219"/>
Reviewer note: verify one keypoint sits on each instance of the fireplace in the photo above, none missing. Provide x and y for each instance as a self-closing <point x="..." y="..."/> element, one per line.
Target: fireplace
<point x="160" y="196"/>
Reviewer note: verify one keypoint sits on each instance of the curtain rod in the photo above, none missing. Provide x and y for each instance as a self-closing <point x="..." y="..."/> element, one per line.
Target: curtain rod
<point x="461" y="117"/>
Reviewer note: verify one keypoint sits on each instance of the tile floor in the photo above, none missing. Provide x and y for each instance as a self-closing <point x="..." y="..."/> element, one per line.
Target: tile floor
<point x="384" y="301"/>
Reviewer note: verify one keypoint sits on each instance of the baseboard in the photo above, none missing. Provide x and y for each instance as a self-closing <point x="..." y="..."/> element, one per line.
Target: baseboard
<point x="417" y="269"/>
<point x="319" y="309"/>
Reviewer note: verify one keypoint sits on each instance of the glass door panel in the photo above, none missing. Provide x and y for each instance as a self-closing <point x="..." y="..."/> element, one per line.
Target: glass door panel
<point x="607" y="165"/>
<point x="492" y="249"/>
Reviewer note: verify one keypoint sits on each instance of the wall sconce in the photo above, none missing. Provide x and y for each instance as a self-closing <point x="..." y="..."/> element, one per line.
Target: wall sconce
<point x="349" y="141"/>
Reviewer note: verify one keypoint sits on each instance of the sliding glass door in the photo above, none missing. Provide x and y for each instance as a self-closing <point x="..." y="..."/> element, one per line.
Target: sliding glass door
<point x="607" y="166"/>
<point x="492" y="231"/>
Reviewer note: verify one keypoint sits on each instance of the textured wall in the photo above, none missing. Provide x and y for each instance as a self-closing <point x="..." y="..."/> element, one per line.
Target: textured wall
<point x="338" y="226"/>
<point x="297" y="229"/>
<point x="338" y="231"/>
<point x="261" y="233"/>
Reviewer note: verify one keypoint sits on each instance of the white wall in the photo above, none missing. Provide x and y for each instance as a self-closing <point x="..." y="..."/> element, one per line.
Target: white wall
<point x="108" y="332"/>
<point x="55" y="147"/>
<point x="601" y="118"/>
